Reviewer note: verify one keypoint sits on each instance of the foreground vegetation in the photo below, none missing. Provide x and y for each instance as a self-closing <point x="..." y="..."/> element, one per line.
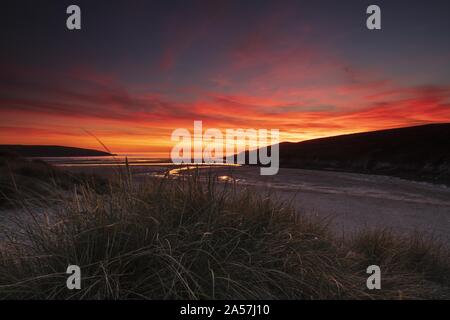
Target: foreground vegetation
<point x="193" y="238"/>
<point x="27" y="180"/>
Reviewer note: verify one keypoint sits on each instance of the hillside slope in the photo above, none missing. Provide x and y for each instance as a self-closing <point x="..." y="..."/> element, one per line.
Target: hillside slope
<point x="50" y="151"/>
<point x="420" y="152"/>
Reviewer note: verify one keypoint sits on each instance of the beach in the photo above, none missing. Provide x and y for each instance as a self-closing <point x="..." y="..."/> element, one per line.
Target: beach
<point x="349" y="201"/>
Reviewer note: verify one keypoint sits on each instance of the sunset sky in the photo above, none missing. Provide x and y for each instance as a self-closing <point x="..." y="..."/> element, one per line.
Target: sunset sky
<point x="140" y="69"/>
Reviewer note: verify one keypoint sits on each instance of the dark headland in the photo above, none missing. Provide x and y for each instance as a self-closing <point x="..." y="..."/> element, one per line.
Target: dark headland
<point x="418" y="153"/>
<point x="50" y="151"/>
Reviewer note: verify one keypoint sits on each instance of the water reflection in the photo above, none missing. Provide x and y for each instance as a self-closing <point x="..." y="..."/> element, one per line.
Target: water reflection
<point x="178" y="171"/>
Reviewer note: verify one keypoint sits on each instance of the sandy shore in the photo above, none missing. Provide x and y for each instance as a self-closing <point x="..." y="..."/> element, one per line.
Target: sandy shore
<point x="357" y="201"/>
<point x="352" y="201"/>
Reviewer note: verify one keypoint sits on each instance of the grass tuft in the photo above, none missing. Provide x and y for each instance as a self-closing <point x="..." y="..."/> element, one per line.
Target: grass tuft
<point x="194" y="239"/>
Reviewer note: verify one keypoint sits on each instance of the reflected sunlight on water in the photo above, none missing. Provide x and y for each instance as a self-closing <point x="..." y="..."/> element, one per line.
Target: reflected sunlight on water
<point x="177" y="171"/>
<point x="133" y="161"/>
<point x="119" y="160"/>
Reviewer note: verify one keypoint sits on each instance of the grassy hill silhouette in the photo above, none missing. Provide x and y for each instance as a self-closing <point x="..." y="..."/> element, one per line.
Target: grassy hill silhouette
<point x="50" y="151"/>
<point x="419" y="152"/>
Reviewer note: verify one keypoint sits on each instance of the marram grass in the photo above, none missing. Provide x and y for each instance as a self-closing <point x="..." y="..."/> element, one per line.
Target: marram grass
<point x="192" y="239"/>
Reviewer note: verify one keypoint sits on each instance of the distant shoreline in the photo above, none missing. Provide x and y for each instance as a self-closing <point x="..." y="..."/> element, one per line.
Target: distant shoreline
<point x="43" y="151"/>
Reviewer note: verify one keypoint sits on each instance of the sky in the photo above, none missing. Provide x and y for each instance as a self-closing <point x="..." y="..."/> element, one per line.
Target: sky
<point x="138" y="70"/>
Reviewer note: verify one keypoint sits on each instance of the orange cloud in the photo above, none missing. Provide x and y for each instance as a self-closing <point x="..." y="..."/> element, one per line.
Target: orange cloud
<point x="42" y="110"/>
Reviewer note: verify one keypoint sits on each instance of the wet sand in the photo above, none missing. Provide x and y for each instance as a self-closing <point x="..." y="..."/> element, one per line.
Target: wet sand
<point x="352" y="201"/>
<point x="357" y="201"/>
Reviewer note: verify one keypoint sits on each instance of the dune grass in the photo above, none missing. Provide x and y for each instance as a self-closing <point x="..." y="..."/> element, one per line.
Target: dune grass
<point x="194" y="238"/>
<point x="30" y="180"/>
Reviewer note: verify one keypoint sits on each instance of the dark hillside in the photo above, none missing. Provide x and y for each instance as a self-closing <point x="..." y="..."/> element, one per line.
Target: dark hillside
<point x="49" y="151"/>
<point x="421" y="152"/>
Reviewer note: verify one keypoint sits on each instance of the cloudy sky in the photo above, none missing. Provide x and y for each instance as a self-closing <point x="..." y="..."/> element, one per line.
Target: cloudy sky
<point x="140" y="69"/>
